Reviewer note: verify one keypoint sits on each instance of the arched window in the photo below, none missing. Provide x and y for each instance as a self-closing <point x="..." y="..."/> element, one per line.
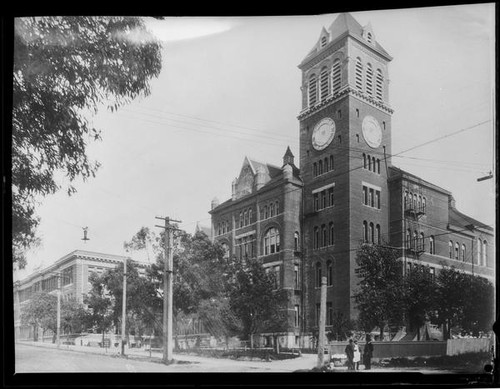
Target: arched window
<point x="241" y="219"/>
<point x="369" y="163"/>
<point x="249" y="216"/>
<point x="415" y="239"/>
<point x="424" y="205"/>
<point x="373" y="164"/>
<point x="485" y="247"/>
<point x="245" y="218"/>
<point x="324" y="236"/>
<point x="463" y="252"/>
<point x="419" y="204"/>
<point x="450" y="249"/>
<point x="336" y="76"/>
<point x="271" y="241"/>
<point x="408" y="238"/>
<point x="479" y="251"/>
<point x="315" y="169"/>
<point x="329" y="273"/>
<point x="456" y="250"/>
<point x="414" y="201"/>
<point x="378" y="166"/>
<point x="365" y="231"/>
<point x="312" y="90"/>
<point x="296" y="242"/>
<point x="271" y="210"/>
<point x="372" y="233"/>
<point x="379" y="85"/>
<point x="326" y="165"/>
<point x="369" y="37"/>
<point x="320" y="167"/>
<point x="422" y="241"/>
<point x="323" y="80"/>
<point x="266" y="212"/>
<point x="318" y="274"/>
<point x="323" y="41"/>
<point x="225" y="247"/>
<point x="332" y="240"/>
<point x="316" y="237"/>
<point x="364" y="161"/>
<point x="405" y="199"/>
<point x="277" y="207"/>
<point x="369" y="79"/>
<point x="359" y="74"/>
<point x="331" y="162"/>
<point x="378" y="234"/>
<point x="432" y="247"/>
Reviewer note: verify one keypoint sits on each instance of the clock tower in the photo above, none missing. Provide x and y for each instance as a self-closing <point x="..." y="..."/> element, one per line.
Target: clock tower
<point x="345" y="148"/>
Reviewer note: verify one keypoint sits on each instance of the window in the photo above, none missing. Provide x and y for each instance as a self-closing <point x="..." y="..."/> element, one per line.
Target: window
<point x="415" y="240"/>
<point x="323" y="41"/>
<point x="378" y="166"/>
<point x="357" y="113"/>
<point x="241" y="219"/>
<point x="330" y="196"/>
<point x="320" y="167"/>
<point x="424" y="205"/>
<point x="312" y="90"/>
<point x="456" y="250"/>
<point x="432" y="273"/>
<point x="405" y="199"/>
<point x="316" y="237"/>
<point x="359" y="74"/>
<point x="326" y="165"/>
<point x="332" y="241"/>
<point x="365" y="231"/>
<point x="67" y="276"/>
<point x="463" y="252"/>
<point x="296" y="275"/>
<point x="365" y="195"/>
<point x="372" y="233"/>
<point x="369" y="79"/>
<point x="225" y="247"/>
<point x="271" y="210"/>
<point x="315" y="169"/>
<point x="371" y="199"/>
<point x="249" y="216"/>
<point x="432" y="247"/>
<point x="331" y="162"/>
<point x="369" y="163"/>
<point x="408" y="238"/>
<point x="318" y="275"/>
<point x="316" y="201"/>
<point x="450" y="249"/>
<point x="329" y="313"/>
<point x="324" y="83"/>
<point x="379" y="85"/>
<point x="369" y="37"/>
<point x="271" y="241"/>
<point x="364" y="161"/>
<point x="277" y="277"/>
<point x="377" y="199"/>
<point x="329" y="273"/>
<point x="336" y="76"/>
<point x="324" y="236"/>
<point x="378" y="234"/>
<point x="485" y="246"/>
<point x="296" y="241"/>
<point x="479" y="251"/>
<point x="422" y="241"/>
<point x="296" y="315"/>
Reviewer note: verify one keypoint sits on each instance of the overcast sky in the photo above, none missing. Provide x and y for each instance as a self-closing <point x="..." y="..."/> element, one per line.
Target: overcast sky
<point x="230" y="88"/>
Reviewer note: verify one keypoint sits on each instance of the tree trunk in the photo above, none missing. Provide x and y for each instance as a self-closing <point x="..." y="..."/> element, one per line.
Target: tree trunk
<point x="251" y="341"/>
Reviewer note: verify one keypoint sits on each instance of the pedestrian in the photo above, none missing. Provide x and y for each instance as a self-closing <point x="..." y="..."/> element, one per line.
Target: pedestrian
<point x="349" y="352"/>
<point x="356" y="356"/>
<point x="368" y="353"/>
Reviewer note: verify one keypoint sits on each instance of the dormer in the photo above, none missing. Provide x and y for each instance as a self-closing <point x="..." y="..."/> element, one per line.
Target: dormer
<point x="368" y="35"/>
<point x="324" y="39"/>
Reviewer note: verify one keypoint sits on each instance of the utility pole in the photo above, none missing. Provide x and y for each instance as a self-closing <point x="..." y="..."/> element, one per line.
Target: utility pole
<point x="167" y="289"/>
<point x="322" y="322"/>
<point x="124" y="304"/>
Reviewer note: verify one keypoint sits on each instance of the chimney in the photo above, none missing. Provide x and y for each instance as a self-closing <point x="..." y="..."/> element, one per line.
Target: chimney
<point x="234" y="188"/>
<point x="215" y="204"/>
<point x="288" y="157"/>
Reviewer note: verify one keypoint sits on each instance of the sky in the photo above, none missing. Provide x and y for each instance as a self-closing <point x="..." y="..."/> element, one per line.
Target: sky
<point x="230" y="88"/>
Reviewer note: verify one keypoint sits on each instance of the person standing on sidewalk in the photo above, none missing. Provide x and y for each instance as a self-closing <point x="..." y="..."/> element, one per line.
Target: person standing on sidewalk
<point x="368" y="352"/>
<point x="349" y="352"/>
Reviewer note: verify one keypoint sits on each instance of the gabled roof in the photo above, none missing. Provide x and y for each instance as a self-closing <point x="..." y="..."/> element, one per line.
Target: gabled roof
<point x="272" y="170"/>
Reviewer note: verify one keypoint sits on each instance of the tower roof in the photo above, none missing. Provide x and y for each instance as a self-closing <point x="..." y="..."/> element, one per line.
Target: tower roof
<point x="342" y="26"/>
<point x="288" y="152"/>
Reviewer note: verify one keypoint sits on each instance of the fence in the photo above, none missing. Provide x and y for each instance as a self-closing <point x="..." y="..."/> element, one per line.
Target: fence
<point x="464" y="345"/>
<point x="397" y="349"/>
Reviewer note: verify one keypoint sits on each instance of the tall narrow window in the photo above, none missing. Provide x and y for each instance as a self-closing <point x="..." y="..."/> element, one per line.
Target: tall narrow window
<point x="296" y="243"/>
<point x="316" y="201"/>
<point x="422" y="241"/>
<point x="277" y="276"/>
<point x="336" y="76"/>
<point x="450" y="249"/>
<point x="324" y="83"/>
<point x="320" y="167"/>
<point x="415" y="240"/>
<point x="296" y="275"/>
<point x="364" y="161"/>
<point x="424" y="204"/>
<point x="378" y="166"/>
<point x="318" y="275"/>
<point x="463" y="252"/>
<point x="332" y="240"/>
<point x="331" y="162"/>
<point x="365" y="231"/>
<point x="372" y="233"/>
<point x="316" y="237"/>
<point x="326" y="165"/>
<point x="249" y="216"/>
<point x="432" y="247"/>
<point x="456" y="250"/>
<point x="277" y="204"/>
<point x="365" y="195"/>
<point x="377" y="199"/>
<point x="369" y="37"/>
<point x="271" y="210"/>
<point x="369" y="79"/>
<point x="324" y="236"/>
<point x="369" y="162"/>
<point x="266" y="212"/>
<point x="359" y="74"/>
<point x="479" y="252"/>
<point x="312" y="90"/>
<point x="379" y="85"/>
<point x="323" y="41"/>
<point x="315" y="169"/>
<point x="408" y="238"/>
<point x="330" y="197"/>
<point x="378" y="241"/>
<point x="373" y="164"/>
<point x="271" y="241"/>
<point x="329" y="273"/>
<point x="296" y="315"/>
<point x="323" y="199"/>
<point x="371" y="197"/>
<point x="485" y="247"/>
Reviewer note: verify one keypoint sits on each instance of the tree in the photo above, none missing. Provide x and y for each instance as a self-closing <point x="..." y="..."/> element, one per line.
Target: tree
<point x="100" y="305"/>
<point x="40" y="312"/>
<point x="479" y="310"/>
<point x="64" y="69"/>
<point x="379" y="297"/>
<point x="256" y="301"/>
<point x="419" y="298"/>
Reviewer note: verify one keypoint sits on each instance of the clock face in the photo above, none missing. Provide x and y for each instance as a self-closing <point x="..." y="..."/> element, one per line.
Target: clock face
<point x="323" y="133"/>
<point x="372" y="131"/>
